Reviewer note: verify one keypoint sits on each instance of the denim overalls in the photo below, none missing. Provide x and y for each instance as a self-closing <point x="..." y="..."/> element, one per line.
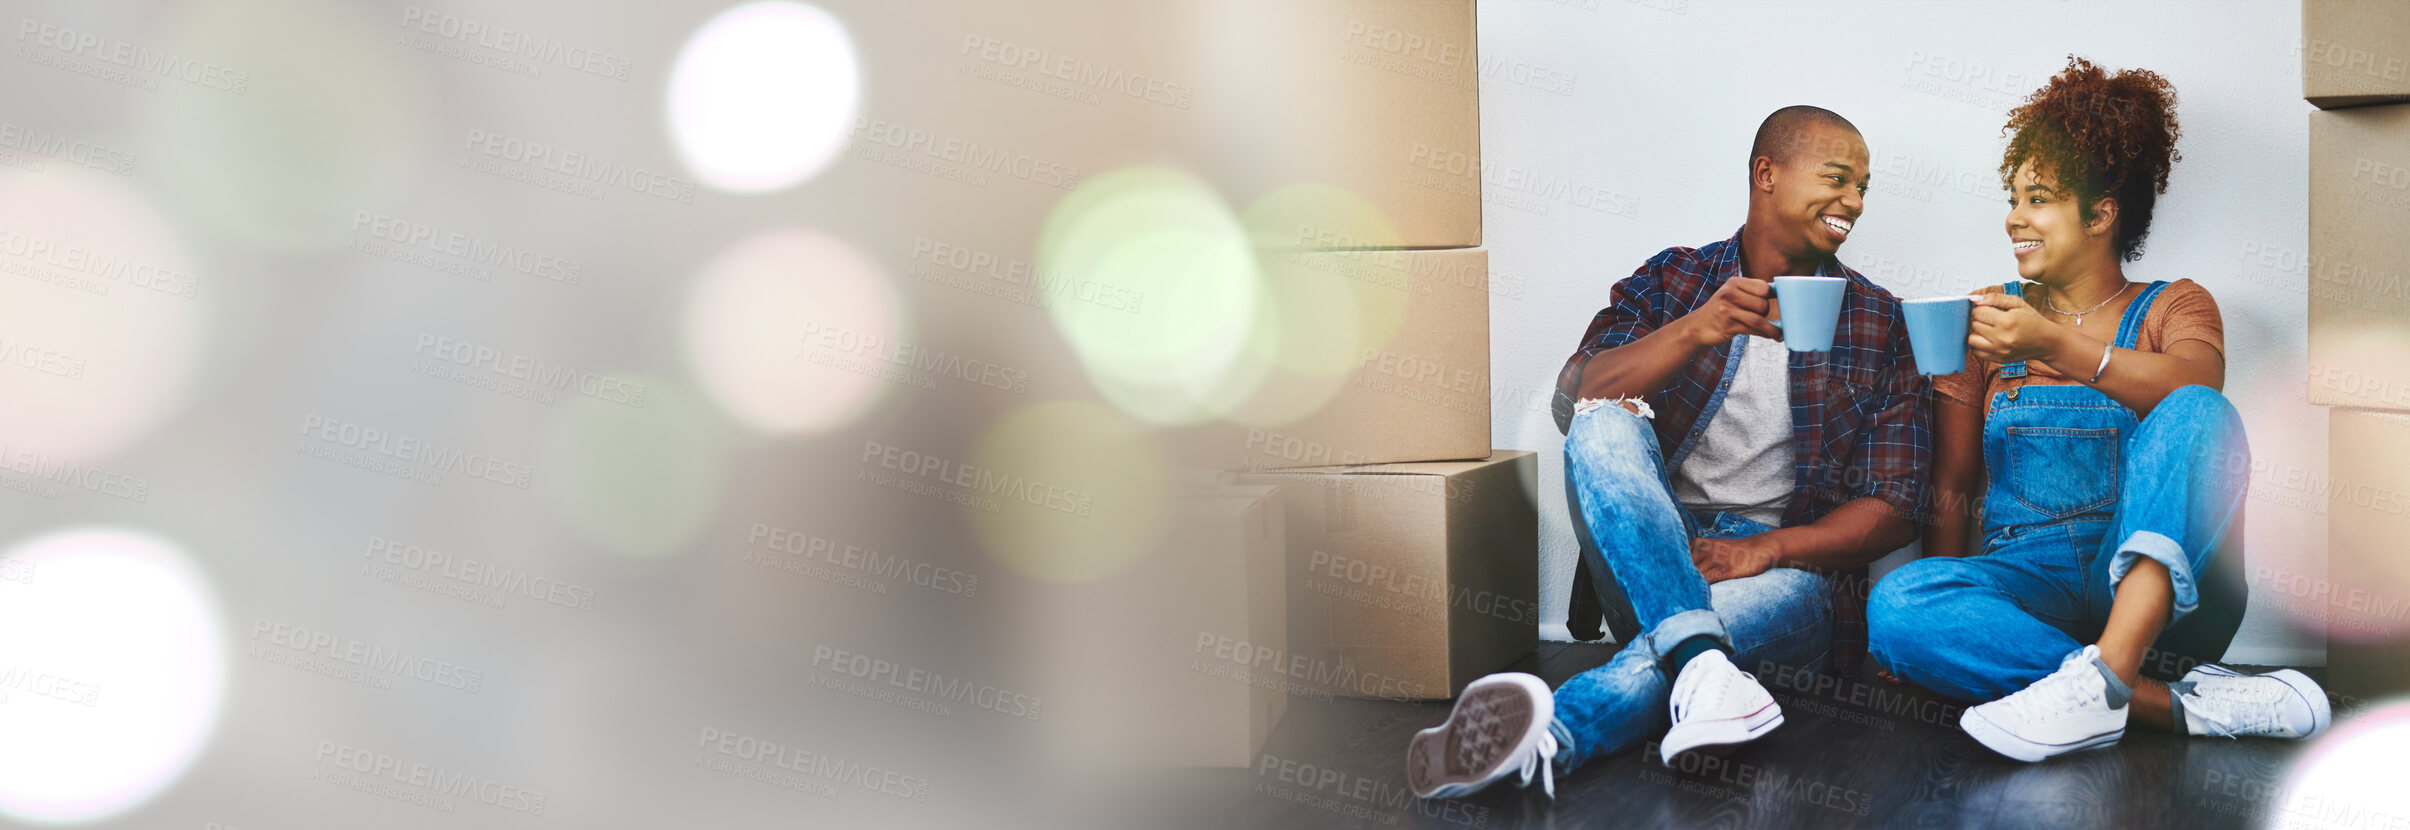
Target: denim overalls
<point x="2052" y="451"/>
<point x="2079" y="490"/>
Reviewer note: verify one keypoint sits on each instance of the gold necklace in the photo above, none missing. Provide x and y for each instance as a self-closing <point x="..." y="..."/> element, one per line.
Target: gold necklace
<point x="2050" y="300"/>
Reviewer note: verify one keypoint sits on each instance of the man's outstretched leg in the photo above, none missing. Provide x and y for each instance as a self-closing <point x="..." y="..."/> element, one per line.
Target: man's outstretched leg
<point x="1643" y="539"/>
<point x="1512" y="725"/>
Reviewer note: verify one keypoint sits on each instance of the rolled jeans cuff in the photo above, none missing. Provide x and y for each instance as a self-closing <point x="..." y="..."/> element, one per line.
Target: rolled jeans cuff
<point x="2179" y="569"/>
<point x="1684" y="626"/>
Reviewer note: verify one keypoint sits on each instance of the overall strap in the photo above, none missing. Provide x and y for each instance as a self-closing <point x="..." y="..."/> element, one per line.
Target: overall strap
<point x="2017" y="369"/>
<point x="2129" y="329"/>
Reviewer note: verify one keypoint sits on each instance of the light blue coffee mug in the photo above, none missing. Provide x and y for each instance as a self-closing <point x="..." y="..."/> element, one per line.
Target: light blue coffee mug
<point x="1811" y="307"/>
<point x="1937" y="332"/>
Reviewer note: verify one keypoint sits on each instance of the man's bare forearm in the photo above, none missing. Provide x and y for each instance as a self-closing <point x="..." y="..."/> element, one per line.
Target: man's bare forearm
<point x="1642" y="367"/>
<point x="1853" y="535"/>
<point x="1957" y="477"/>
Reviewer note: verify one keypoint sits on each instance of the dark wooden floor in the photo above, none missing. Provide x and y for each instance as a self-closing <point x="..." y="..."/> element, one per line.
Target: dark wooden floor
<point x="1845" y="757"/>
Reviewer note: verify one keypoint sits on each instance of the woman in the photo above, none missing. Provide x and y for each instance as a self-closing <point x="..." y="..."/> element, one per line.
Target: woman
<point x="2116" y="468"/>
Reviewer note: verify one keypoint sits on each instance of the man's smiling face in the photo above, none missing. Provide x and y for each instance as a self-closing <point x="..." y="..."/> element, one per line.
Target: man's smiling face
<point x="1819" y="190"/>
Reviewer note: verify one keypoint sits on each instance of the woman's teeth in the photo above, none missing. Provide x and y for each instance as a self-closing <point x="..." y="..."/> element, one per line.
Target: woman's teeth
<point x="2026" y="245"/>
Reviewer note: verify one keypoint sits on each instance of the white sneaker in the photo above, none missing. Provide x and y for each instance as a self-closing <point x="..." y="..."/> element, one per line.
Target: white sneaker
<point x="1499" y="726"/>
<point x="2223" y="702"/>
<point x="1716" y="705"/>
<point x="2064" y="712"/>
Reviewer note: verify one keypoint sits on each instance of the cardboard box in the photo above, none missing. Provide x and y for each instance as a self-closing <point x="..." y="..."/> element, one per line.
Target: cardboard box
<point x="2355" y="52"/>
<point x="1373" y="357"/>
<point x="1146" y="663"/>
<point x="2358" y="272"/>
<point x="2365" y="604"/>
<point x="1342" y="123"/>
<point x="1410" y="580"/>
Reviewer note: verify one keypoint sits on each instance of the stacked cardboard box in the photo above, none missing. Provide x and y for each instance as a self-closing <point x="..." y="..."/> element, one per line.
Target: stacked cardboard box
<point x="2355" y="52"/>
<point x="1381" y="356"/>
<point x="2355" y="67"/>
<point x="1368" y="110"/>
<point x="1413" y="547"/>
<point x="1410" y="580"/>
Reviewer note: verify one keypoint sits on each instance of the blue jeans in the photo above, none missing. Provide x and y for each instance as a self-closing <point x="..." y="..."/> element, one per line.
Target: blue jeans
<point x="1982" y="627"/>
<point x="1783" y="615"/>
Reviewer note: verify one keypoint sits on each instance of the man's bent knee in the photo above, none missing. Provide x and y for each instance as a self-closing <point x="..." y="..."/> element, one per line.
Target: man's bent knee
<point x="1617" y="439"/>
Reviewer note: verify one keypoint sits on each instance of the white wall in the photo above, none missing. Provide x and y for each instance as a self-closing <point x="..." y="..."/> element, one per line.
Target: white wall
<point x="1612" y="129"/>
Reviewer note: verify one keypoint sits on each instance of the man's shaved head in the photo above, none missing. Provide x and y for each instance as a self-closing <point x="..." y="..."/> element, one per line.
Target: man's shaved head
<point x="1781" y="134"/>
<point x="1806" y="195"/>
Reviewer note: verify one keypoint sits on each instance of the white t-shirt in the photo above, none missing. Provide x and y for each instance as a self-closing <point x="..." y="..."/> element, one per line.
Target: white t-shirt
<point x="1743" y="462"/>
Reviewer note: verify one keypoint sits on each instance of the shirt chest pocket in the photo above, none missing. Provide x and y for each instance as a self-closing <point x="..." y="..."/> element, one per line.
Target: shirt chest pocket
<point x="1851" y="401"/>
<point x="2062" y="471"/>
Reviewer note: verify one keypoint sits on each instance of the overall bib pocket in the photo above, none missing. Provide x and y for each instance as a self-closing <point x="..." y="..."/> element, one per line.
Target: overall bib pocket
<point x="2061" y="472"/>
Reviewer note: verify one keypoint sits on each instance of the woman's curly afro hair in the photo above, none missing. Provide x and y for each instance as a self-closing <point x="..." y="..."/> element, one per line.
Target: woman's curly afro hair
<point x="2099" y="133"/>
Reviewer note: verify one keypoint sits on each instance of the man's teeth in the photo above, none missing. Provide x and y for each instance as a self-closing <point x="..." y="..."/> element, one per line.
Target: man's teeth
<point x="2027" y="245"/>
<point x="1839" y="225"/>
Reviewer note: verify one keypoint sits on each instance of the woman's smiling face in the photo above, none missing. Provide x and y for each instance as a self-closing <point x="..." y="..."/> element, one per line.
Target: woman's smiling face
<point x="2046" y="226"/>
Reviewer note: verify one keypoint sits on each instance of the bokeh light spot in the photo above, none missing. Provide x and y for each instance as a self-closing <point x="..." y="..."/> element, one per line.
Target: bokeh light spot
<point x="2351" y="777"/>
<point x="763" y="95"/>
<point x="785" y="328"/>
<point x="102" y="310"/>
<point x="113" y="662"/>
<point x="1164" y="245"/>
<point x="326" y="120"/>
<point x="1079" y="491"/>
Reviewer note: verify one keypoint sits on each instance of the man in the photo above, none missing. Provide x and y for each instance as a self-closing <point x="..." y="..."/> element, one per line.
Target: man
<point x="1788" y="471"/>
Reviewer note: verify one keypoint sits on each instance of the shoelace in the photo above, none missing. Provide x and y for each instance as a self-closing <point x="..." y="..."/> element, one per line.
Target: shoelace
<point x="1688" y="682"/>
<point x="2236" y="705"/>
<point x="1541" y="762"/>
<point x="2053" y="696"/>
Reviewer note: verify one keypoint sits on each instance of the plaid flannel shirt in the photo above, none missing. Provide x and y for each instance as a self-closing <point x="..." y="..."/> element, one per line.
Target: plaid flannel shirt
<point x="1861" y="424"/>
